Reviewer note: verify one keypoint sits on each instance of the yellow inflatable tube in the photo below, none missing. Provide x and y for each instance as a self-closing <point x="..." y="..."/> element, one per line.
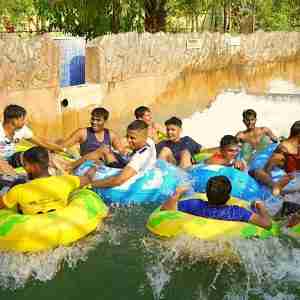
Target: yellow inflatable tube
<point x="172" y="223"/>
<point x="22" y="233"/>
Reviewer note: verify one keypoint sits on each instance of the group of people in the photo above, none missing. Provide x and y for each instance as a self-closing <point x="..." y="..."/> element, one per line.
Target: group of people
<point x="147" y="141"/>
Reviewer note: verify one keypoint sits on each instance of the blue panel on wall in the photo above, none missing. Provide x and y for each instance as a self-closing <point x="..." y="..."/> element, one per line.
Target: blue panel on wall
<point x="72" y="61"/>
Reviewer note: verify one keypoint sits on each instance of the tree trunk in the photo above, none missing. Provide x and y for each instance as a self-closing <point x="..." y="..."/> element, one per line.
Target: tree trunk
<point x="155" y="15"/>
<point x="193" y="23"/>
<point x="224" y="17"/>
<point x="197" y="23"/>
<point x="116" y="11"/>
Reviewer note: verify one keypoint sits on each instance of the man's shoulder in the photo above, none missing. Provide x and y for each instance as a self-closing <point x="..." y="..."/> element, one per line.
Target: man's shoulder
<point x="149" y="146"/>
<point x="25" y="131"/>
<point x="242" y="134"/>
<point x="150" y="142"/>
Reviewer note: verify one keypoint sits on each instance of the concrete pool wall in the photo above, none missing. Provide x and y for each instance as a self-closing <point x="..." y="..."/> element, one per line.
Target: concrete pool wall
<point x="174" y="74"/>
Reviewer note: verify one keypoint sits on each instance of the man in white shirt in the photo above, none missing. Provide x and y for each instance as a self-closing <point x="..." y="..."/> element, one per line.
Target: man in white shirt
<point x="12" y="131"/>
<point x="142" y="159"/>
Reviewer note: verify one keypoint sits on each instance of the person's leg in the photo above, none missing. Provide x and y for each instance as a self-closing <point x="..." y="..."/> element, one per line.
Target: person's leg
<point x="262" y="176"/>
<point x="185" y="159"/>
<point x="167" y="155"/>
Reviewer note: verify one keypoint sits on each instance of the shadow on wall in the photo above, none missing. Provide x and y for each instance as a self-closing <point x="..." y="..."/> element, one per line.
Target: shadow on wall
<point x="77" y="70"/>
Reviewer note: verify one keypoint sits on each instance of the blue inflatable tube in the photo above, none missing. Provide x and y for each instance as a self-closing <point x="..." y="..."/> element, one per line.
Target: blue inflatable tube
<point x="243" y="185"/>
<point x="260" y="158"/>
<point x="156" y="185"/>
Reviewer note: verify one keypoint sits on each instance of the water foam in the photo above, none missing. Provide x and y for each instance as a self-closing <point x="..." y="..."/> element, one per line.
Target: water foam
<point x="16" y="269"/>
<point x="224" y="116"/>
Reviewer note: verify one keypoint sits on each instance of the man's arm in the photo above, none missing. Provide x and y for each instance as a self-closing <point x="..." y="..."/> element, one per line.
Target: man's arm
<point x="2" y="205"/>
<point x="85" y="180"/>
<point x="261" y="217"/>
<point x="118" y="144"/>
<point x="270" y="134"/>
<point x="77" y="137"/>
<point x="95" y="156"/>
<point x="171" y="203"/>
<point x="44" y="143"/>
<point x="117" y="180"/>
<point x="240" y="136"/>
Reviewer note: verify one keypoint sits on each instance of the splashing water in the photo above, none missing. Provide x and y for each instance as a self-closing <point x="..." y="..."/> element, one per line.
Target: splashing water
<point x="276" y="111"/>
<point x="123" y="261"/>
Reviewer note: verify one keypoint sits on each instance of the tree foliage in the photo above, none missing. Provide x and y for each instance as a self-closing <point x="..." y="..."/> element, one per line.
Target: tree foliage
<point x="92" y="18"/>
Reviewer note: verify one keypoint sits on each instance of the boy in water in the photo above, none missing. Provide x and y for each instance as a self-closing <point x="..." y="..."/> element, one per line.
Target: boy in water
<point x="12" y="131"/>
<point x="142" y="159"/>
<point x="218" y="191"/>
<point x="254" y="138"/>
<point x="97" y="142"/>
<point x="155" y="131"/>
<point x="176" y="150"/>
<point x="286" y="156"/>
<point x="227" y="154"/>
<point x="44" y="192"/>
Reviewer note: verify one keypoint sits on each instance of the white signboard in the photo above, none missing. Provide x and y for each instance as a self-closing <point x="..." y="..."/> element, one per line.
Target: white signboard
<point x="193" y="44"/>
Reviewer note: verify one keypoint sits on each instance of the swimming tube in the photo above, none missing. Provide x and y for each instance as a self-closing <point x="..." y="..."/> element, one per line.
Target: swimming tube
<point x="155" y="185"/>
<point x="170" y="223"/>
<point x="31" y="233"/>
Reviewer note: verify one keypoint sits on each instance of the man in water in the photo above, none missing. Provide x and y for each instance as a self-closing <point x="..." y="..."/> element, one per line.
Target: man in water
<point x="142" y="158"/>
<point x="253" y="138"/>
<point x="228" y="154"/>
<point x="12" y="131"/>
<point x="43" y="193"/>
<point x="286" y="156"/>
<point x="97" y="142"/>
<point x="218" y="191"/>
<point x="177" y="150"/>
<point x="155" y="131"/>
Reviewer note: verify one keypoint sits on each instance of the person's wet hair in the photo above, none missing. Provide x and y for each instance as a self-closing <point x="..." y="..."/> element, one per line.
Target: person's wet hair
<point x="228" y="140"/>
<point x="140" y="111"/>
<point x="295" y="129"/>
<point x="137" y="125"/>
<point x="249" y="113"/>
<point x="13" y="111"/>
<point x="218" y="189"/>
<point x="100" y="112"/>
<point x="174" y="121"/>
<point x="37" y="155"/>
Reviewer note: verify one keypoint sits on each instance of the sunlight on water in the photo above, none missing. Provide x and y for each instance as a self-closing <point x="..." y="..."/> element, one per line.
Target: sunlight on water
<point x="277" y="112"/>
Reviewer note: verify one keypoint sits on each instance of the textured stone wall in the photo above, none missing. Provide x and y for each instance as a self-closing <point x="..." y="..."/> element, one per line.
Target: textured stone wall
<point x="160" y="71"/>
<point x="30" y="77"/>
<point x="115" y="58"/>
<point x="134" y="69"/>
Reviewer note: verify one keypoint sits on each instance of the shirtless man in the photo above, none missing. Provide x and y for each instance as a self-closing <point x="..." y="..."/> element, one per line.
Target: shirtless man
<point x="155" y="130"/>
<point x="253" y="138"/>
